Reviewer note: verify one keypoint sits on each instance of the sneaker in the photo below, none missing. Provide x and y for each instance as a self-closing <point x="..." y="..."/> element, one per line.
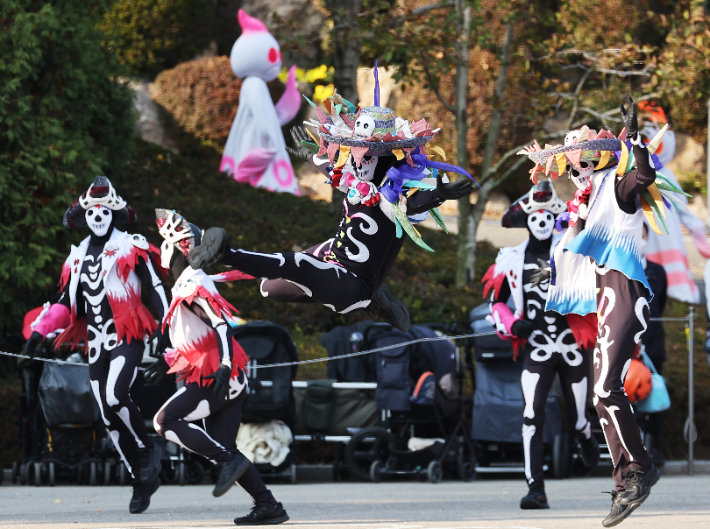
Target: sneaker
<point x="231" y="471"/>
<point x="619" y="512"/>
<point x="590" y="451"/>
<point x="150" y="463"/>
<point x="142" y="492"/>
<point x="535" y="498"/>
<point x="638" y="485"/>
<point x="264" y="514"/>
<point x="386" y="307"/>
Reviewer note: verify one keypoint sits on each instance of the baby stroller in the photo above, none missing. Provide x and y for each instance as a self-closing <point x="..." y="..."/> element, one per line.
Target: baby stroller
<point x="419" y="390"/>
<point x="60" y="423"/>
<point x="498" y="407"/>
<point x="270" y="394"/>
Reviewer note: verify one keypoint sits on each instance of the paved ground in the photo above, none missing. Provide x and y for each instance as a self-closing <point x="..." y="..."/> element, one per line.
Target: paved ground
<point x="676" y="502"/>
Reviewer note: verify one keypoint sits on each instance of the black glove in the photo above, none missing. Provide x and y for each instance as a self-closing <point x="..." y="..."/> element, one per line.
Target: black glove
<point x="215" y="243"/>
<point x="163" y="341"/>
<point x="522" y="328"/>
<point x="32" y="346"/>
<point x="455" y="190"/>
<point x="155" y="372"/>
<point x="631" y="121"/>
<point x="299" y="136"/>
<point x="542" y="274"/>
<point x="221" y="380"/>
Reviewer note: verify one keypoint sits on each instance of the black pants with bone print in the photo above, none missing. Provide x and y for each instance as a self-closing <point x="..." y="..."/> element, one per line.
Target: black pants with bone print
<point x="195" y="418"/>
<point x="622" y="309"/>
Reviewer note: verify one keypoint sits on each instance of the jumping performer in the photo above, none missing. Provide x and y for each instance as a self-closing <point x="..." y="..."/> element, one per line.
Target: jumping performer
<point x="212" y="364"/>
<point x="551" y="343"/>
<point x="380" y="162"/>
<point x="101" y="303"/>
<point x="599" y="259"/>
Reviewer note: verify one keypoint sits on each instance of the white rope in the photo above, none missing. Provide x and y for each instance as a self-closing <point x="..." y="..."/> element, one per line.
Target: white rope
<point x="312" y="361"/>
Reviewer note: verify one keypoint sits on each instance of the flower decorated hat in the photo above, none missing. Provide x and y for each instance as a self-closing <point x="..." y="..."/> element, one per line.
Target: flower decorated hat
<point x="373" y="130"/>
<point x="580" y="145"/>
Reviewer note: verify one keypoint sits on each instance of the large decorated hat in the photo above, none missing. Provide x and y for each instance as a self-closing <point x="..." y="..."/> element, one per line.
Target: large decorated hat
<point x="100" y="193"/>
<point x="583" y="144"/>
<point x="373" y="130"/>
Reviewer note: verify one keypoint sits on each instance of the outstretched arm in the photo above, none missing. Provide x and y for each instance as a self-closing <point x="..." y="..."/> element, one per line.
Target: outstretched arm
<point x="150" y="281"/>
<point x="422" y="201"/>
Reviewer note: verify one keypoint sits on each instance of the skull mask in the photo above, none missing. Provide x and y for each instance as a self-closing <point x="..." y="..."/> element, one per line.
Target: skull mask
<point x="364" y="127"/>
<point x="540" y="224"/>
<point x="98" y="219"/>
<point x="366" y="170"/>
<point x="580" y="175"/>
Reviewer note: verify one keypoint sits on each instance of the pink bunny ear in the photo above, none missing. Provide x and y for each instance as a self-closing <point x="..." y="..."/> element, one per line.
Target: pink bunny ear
<point x="250" y="24"/>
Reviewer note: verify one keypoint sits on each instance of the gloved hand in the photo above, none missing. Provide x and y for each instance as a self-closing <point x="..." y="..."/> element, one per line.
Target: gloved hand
<point x="542" y="274"/>
<point x="215" y="243"/>
<point x="221" y="380"/>
<point x="32" y="345"/>
<point x="162" y="343"/>
<point x="628" y="114"/>
<point x="522" y="328"/>
<point x="300" y="135"/>
<point x="455" y="190"/>
<point x="155" y="372"/>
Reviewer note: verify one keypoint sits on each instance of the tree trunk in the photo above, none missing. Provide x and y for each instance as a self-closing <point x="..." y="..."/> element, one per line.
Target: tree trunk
<point x="488" y="184"/>
<point x="464" y="266"/>
<point x="346" y="53"/>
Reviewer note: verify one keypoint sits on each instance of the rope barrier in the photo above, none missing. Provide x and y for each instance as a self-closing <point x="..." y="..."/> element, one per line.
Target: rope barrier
<point x="301" y="362"/>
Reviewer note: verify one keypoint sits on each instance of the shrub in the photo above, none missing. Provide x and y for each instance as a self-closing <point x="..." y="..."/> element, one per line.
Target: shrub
<point x="203" y="96"/>
<point x="149" y="35"/>
<point x="63" y="120"/>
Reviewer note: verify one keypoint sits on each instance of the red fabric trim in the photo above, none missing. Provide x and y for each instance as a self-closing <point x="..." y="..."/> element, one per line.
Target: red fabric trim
<point x="73" y="334"/>
<point x="492" y="281"/>
<point x="126" y="264"/>
<point x="64" y="279"/>
<point x="231" y="275"/>
<point x="132" y="319"/>
<point x="518" y="344"/>
<point x="202" y="358"/>
<point x="584" y="328"/>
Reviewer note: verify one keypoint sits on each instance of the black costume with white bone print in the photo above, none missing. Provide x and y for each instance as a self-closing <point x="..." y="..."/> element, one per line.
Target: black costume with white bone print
<point x="551" y="347"/>
<point x="102" y="281"/>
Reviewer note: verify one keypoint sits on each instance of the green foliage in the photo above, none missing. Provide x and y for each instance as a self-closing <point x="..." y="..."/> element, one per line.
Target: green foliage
<point x="63" y="120"/>
<point x="149" y="35"/>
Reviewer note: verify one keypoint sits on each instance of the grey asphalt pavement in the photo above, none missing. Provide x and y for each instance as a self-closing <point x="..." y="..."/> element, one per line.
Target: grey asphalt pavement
<point x="676" y="502"/>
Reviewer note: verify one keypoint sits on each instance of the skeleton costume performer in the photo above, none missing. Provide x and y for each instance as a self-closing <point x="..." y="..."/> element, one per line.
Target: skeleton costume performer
<point x="551" y="343"/>
<point x="212" y="364"/>
<point x="381" y="163"/>
<point x="102" y="280"/>
<point x="598" y="267"/>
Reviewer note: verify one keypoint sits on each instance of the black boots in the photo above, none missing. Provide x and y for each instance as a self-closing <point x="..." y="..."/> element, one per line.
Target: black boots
<point x="150" y="463"/>
<point x="264" y="514"/>
<point x="590" y="451"/>
<point x="141" y="495"/>
<point x="637" y="485"/>
<point x="536" y="497"/>
<point x="386" y="307"/>
<point x="231" y="471"/>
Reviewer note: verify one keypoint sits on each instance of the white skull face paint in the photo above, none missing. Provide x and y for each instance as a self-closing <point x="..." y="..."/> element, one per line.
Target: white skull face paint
<point x="540" y="224"/>
<point x="580" y="175"/>
<point x="98" y="219"/>
<point x="364" y="127"/>
<point x="366" y="170"/>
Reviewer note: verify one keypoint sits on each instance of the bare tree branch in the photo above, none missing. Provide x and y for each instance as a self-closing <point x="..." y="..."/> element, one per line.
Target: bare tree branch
<point x="421" y="11"/>
<point x="435" y="88"/>
<point x="577" y="90"/>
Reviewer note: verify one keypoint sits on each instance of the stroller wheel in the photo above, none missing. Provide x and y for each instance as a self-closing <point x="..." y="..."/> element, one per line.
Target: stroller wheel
<point x="194" y="473"/>
<point x="23" y="473"/>
<point x="38" y="474"/>
<point x="15" y="472"/>
<point x="93" y="474"/>
<point x="107" y="472"/>
<point x="434" y="472"/>
<point x="122" y="473"/>
<point x="50" y="471"/>
<point x="376" y="471"/>
<point x="560" y="456"/>
<point x="465" y="468"/>
<point x="365" y="447"/>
